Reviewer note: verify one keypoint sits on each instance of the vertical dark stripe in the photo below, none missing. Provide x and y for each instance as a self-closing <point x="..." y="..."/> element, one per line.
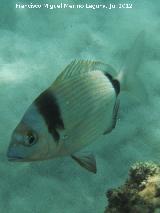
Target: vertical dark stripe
<point x="114" y="82"/>
<point x="48" y="107"/>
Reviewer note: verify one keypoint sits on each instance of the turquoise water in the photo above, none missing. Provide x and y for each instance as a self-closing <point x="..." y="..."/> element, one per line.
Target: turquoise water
<point x="35" y="45"/>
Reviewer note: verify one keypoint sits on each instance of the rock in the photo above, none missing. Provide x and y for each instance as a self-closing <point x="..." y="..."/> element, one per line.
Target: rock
<point x="139" y="194"/>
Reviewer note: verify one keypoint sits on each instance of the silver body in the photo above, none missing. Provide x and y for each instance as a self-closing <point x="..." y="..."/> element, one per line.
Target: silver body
<point x="86" y="103"/>
<point x="85" y="100"/>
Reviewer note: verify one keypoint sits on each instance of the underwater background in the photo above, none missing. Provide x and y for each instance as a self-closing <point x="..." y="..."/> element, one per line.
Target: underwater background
<point x="35" y="45"/>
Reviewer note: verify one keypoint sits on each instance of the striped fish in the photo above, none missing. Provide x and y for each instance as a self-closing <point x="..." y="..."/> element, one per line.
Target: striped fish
<point x="77" y="109"/>
<point x="80" y="106"/>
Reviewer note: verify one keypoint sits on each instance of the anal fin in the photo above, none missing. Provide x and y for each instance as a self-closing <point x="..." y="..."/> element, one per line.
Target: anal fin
<point x="86" y="161"/>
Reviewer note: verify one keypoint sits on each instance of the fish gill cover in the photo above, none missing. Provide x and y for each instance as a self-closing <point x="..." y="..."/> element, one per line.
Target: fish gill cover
<point x="35" y="45"/>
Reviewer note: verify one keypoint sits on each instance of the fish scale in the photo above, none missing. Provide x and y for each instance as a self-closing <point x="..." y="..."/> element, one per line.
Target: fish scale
<point x="86" y="107"/>
<point x="86" y="98"/>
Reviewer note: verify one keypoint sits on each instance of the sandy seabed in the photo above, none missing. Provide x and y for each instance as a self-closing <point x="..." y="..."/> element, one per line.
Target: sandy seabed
<point x="35" y="45"/>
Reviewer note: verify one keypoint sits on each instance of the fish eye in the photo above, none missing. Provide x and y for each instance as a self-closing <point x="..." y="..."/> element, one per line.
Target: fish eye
<point x="30" y="139"/>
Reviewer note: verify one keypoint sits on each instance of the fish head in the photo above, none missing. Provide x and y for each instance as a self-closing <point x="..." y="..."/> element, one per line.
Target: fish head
<point x="30" y="140"/>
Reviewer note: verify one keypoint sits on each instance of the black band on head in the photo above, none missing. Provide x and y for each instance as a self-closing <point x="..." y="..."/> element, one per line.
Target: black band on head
<point x="48" y="107"/>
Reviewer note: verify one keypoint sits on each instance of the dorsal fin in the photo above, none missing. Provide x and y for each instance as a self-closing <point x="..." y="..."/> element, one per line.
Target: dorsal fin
<point x="77" y="67"/>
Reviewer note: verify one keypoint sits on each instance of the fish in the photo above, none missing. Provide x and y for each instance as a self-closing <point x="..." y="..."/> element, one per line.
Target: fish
<point x="80" y="106"/>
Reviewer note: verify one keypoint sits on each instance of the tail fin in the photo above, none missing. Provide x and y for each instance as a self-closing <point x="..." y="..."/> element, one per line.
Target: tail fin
<point x="128" y="73"/>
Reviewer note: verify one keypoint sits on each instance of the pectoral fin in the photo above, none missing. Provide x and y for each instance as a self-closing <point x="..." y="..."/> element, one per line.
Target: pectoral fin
<point x="114" y="117"/>
<point x="86" y="161"/>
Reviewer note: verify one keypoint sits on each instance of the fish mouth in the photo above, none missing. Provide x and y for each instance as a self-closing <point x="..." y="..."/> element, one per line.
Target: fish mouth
<point x="12" y="155"/>
<point x="15" y="158"/>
